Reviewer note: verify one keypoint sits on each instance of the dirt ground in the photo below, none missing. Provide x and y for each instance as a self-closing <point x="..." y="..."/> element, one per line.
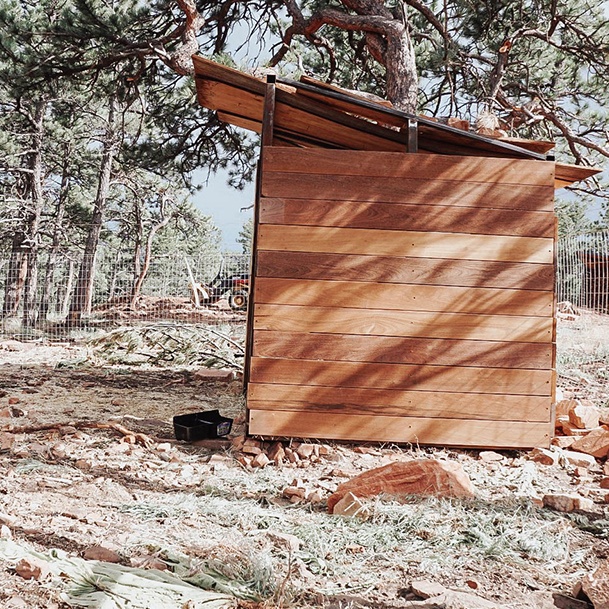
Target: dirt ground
<point x="75" y="486"/>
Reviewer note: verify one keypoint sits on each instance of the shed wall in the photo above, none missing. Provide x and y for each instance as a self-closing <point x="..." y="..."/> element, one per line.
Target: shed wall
<point x="403" y="298"/>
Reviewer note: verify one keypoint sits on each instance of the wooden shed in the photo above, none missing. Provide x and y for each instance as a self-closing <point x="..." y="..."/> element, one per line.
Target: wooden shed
<point x="403" y="271"/>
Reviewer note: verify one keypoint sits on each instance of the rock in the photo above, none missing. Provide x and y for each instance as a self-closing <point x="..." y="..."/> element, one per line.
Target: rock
<point x="207" y="375"/>
<point x="596" y="443"/>
<point x="102" y="554"/>
<point x="276" y="453"/>
<point x="238" y="442"/>
<point x="315" y="496"/>
<point x="7" y="440"/>
<point x="584" y="417"/>
<point x="260" y="460"/>
<point x="604" y="483"/>
<point x="418" y="477"/>
<point x="567" y="503"/>
<point x="426" y="589"/>
<point x="32" y="568"/>
<point x="596" y="586"/>
<point x="13" y="400"/>
<point x="564" y="407"/>
<point x="294" y="491"/>
<point x="572" y="430"/>
<point x="324" y="450"/>
<point x="578" y="459"/>
<point x="305" y="451"/>
<point x="251" y="450"/>
<point x="563" y="441"/>
<point x="285" y="539"/>
<point x="292" y="456"/>
<point x="562" y="601"/>
<point x="490" y="456"/>
<point x="543" y="456"/>
<point x="350" y="505"/>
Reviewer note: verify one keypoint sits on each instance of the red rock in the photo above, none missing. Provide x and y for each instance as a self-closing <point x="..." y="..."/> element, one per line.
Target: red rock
<point x="563" y="441"/>
<point x="419" y="477"/>
<point x="32" y="568"/>
<point x="260" y="460"/>
<point x="578" y="459"/>
<point x="276" y="453"/>
<point x="567" y="503"/>
<point x="596" y="443"/>
<point x="13" y="400"/>
<point x="584" y="417"/>
<point x="604" y="483"/>
<point x="572" y="430"/>
<point x="304" y="451"/>
<point x="596" y="586"/>
<point x="350" y="505"/>
<point x="564" y="407"/>
<point x="543" y="456"/>
<point x="7" y="440"/>
<point x="102" y="554"/>
<point x="426" y="589"/>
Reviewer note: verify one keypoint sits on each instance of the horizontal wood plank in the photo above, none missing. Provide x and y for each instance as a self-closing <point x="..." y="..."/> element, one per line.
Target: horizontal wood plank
<point x="386" y="269"/>
<point x="403" y="297"/>
<point x="411" y="191"/>
<point x="378" y="322"/>
<point x="394" y="216"/>
<point x="383" y="402"/>
<point x="392" y="350"/>
<point x="399" y="165"/>
<point x="401" y="377"/>
<point x="446" y="432"/>
<point x="405" y="243"/>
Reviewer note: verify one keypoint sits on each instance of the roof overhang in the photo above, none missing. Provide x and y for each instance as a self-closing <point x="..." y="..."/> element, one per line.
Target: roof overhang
<point x="310" y="113"/>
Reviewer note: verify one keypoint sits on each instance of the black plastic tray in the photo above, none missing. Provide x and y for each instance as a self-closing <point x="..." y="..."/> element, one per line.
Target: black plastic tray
<point x="201" y="425"/>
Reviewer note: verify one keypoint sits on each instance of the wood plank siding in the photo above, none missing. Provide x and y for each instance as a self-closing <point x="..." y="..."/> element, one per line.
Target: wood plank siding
<point x="403" y="298"/>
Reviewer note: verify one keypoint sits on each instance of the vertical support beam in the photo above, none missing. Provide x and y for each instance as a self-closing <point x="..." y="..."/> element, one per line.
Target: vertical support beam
<point x="268" y="127"/>
<point x="413" y="135"/>
<point x="268" y="116"/>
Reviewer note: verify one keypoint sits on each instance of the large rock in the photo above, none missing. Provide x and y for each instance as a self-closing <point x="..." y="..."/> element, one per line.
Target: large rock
<point x="419" y="477"/>
<point x="584" y="417"/>
<point x="596" y="586"/>
<point x="596" y="443"/>
<point x="567" y="503"/>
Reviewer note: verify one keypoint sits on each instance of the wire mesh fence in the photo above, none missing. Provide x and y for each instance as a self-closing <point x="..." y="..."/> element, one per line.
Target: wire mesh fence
<point x="582" y="274"/>
<point x="210" y="289"/>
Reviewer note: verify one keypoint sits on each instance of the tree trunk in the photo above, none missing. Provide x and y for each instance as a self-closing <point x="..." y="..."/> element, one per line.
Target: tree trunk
<point x="22" y="276"/>
<point x="30" y="312"/>
<point x="57" y="230"/>
<point x="143" y="270"/>
<point x="83" y="291"/>
<point x="15" y="278"/>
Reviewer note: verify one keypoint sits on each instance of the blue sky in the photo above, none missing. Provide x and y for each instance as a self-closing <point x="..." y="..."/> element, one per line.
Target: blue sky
<point x="223" y="203"/>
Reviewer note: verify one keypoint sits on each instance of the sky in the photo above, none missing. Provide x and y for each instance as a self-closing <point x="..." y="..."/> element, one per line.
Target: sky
<point x="223" y="203"/>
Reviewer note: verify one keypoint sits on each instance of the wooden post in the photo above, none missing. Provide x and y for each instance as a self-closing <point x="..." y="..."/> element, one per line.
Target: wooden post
<point x="268" y="126"/>
<point x="413" y="135"/>
<point x="268" y="116"/>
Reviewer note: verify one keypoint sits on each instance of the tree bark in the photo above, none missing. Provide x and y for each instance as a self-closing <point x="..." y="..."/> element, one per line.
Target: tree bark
<point x="143" y="269"/>
<point x="22" y="274"/>
<point x="57" y="229"/>
<point x="387" y="38"/>
<point x="83" y="291"/>
<point x="30" y="312"/>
